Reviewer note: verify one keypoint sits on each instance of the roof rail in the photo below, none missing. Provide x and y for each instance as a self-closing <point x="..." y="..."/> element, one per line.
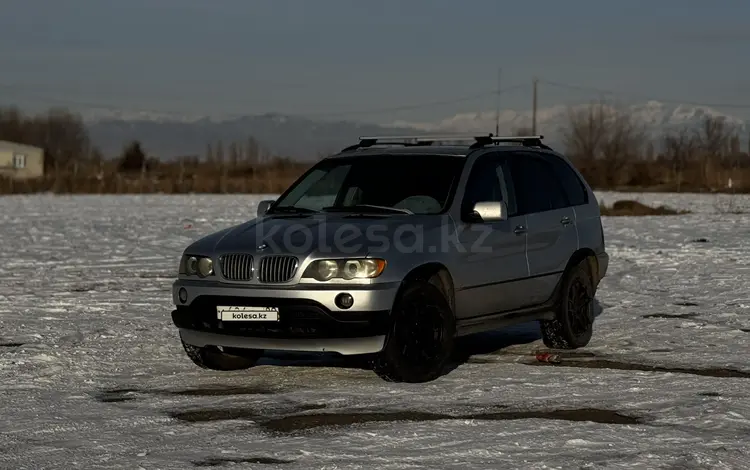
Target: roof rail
<point x="421" y="140"/>
<point x="525" y="140"/>
<point x="405" y="140"/>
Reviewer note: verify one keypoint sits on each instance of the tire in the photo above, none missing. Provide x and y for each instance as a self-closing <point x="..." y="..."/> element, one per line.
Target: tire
<point x="421" y="339"/>
<point x="211" y="357"/>
<point x="574" y="316"/>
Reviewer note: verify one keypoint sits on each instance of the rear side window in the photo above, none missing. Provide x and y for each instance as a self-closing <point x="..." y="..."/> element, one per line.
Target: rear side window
<point x="572" y="185"/>
<point x="536" y="186"/>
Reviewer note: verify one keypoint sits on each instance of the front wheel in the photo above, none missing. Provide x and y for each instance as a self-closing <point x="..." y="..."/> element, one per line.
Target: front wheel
<point x="573" y="325"/>
<point x="421" y="338"/>
<point x="226" y="359"/>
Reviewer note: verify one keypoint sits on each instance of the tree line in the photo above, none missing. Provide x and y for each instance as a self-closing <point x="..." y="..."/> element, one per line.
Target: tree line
<point x="610" y="146"/>
<point x="74" y="165"/>
<point x="614" y="150"/>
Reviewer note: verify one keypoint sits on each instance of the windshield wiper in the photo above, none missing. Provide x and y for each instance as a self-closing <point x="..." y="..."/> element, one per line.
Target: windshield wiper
<point x="367" y="208"/>
<point x="291" y="210"/>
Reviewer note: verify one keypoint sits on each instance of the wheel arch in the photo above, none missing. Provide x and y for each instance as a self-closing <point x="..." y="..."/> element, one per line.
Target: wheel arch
<point x="436" y="274"/>
<point x="582" y="254"/>
<point x="585" y="254"/>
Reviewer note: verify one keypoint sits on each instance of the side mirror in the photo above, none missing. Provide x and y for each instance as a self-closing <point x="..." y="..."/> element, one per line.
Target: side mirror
<point x="263" y="206"/>
<point x="490" y="211"/>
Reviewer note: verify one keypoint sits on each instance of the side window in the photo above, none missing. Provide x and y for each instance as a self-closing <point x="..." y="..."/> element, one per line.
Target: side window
<point x="486" y="183"/>
<point x="572" y="185"/>
<point x="509" y="191"/>
<point x="536" y="186"/>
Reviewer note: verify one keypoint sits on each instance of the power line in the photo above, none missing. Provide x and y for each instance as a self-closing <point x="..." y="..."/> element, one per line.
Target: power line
<point x="412" y="106"/>
<point x="602" y="91"/>
<point x="391" y="109"/>
<point x="423" y="105"/>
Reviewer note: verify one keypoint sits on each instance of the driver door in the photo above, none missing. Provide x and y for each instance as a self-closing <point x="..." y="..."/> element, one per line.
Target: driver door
<point x="493" y="260"/>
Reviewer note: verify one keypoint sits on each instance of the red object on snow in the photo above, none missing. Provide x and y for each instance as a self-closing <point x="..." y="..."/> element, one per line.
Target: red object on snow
<point x="548" y="357"/>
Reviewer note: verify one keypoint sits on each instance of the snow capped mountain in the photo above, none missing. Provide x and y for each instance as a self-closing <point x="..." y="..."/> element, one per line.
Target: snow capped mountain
<point x="300" y="137"/>
<point x="96" y="115"/>
<point x="656" y="116"/>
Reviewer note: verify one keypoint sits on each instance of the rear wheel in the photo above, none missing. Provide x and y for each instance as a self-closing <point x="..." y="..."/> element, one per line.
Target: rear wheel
<point x="573" y="325"/>
<point x="421" y="338"/>
<point x="225" y="359"/>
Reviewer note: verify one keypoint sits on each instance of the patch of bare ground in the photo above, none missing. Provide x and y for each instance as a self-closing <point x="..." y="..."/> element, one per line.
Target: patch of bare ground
<point x="309" y="421"/>
<point x="227" y="461"/>
<point x="587" y="360"/>
<point x="204" y="415"/>
<point x="126" y="394"/>
<point x="635" y="208"/>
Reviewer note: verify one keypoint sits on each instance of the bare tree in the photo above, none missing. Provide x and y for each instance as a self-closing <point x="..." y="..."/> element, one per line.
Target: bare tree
<point x="61" y="134"/>
<point x="713" y="139"/>
<point x="734" y="145"/>
<point x="219" y="153"/>
<point x="625" y="139"/>
<point x="713" y="135"/>
<point x="585" y="131"/>
<point x="605" y="136"/>
<point x="133" y="157"/>
<point x="680" y="148"/>
<point x="252" y="151"/>
<point x="14" y="126"/>
<point x="234" y="155"/>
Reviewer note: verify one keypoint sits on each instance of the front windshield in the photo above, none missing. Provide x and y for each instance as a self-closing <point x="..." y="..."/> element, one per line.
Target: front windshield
<point x="418" y="184"/>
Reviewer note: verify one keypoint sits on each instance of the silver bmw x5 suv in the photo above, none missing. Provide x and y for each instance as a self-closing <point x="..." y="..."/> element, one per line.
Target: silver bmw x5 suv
<point x="394" y="247"/>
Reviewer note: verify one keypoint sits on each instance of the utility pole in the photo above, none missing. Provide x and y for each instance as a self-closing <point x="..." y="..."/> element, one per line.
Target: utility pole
<point x="533" y="107"/>
<point x="497" y="110"/>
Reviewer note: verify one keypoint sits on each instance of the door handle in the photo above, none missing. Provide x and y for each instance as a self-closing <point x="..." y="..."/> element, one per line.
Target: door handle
<point x="566" y="220"/>
<point x="520" y="229"/>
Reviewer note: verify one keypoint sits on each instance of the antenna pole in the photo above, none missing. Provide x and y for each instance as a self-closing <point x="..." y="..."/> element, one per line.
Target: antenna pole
<point x="533" y="107"/>
<point x="497" y="110"/>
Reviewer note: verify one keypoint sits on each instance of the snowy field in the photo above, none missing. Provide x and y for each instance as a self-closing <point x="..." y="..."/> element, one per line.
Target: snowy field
<point x="92" y="374"/>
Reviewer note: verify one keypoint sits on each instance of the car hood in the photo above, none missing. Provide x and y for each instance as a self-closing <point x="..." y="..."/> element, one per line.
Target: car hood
<point x="332" y="234"/>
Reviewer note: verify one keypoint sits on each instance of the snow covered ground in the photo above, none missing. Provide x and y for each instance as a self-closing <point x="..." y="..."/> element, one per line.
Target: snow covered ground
<point x="92" y="374"/>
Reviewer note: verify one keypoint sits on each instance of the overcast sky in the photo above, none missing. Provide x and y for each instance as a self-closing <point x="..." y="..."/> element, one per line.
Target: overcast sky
<point x="323" y="57"/>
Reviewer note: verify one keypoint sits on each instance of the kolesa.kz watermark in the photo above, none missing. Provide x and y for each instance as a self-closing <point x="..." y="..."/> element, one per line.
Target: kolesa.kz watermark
<point x="349" y="238"/>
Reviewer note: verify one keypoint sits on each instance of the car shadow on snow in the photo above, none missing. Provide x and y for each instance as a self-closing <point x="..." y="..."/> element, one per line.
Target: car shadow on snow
<point x="312" y="359"/>
<point x="492" y="342"/>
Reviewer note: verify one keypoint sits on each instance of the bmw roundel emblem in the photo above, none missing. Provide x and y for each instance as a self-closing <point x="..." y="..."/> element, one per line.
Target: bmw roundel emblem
<point x="262" y="246"/>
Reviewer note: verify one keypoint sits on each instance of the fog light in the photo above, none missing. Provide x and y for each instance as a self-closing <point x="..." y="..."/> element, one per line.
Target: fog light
<point x="344" y="301"/>
<point x="182" y="295"/>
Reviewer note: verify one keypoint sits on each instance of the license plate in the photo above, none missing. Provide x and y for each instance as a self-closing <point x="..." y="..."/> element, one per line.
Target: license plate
<point x="247" y="313"/>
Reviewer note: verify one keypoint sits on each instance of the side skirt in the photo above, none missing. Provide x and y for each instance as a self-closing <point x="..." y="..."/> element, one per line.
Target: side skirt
<point x="500" y="320"/>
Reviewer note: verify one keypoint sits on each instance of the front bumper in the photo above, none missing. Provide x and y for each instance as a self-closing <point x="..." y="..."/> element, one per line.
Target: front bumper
<point x="344" y="346"/>
<point x="309" y="320"/>
<point x="367" y="297"/>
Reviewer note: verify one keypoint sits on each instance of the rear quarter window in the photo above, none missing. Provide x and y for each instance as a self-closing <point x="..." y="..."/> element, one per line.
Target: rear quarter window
<point x="571" y="183"/>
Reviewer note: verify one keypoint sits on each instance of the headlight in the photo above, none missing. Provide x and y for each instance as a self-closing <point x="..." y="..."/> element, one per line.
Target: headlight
<point x="191" y="266"/>
<point x="196" y="265"/>
<point x="205" y="267"/>
<point x="362" y="268"/>
<point x="327" y="269"/>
